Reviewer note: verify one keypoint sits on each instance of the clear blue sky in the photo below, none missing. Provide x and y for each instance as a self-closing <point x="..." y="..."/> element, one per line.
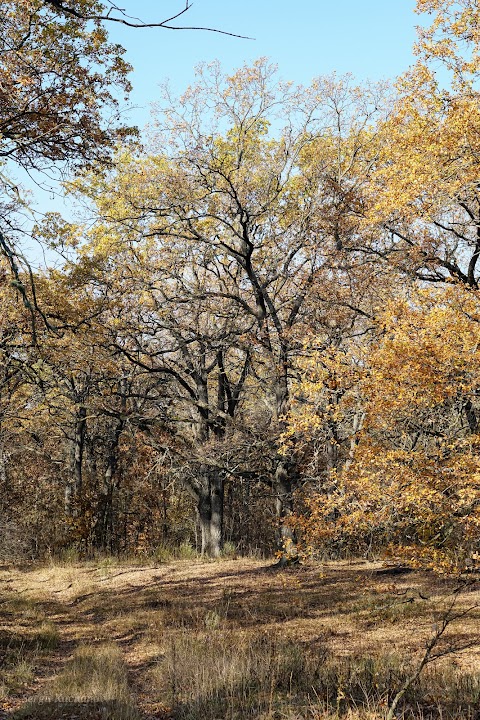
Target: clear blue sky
<point x="372" y="39"/>
<point x="369" y="38"/>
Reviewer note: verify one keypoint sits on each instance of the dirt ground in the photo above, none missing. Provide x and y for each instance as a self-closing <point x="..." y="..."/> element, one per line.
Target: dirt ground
<point x="48" y="613"/>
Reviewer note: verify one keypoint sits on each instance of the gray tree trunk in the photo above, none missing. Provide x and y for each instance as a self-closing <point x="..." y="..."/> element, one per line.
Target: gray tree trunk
<point x="284" y="506"/>
<point x="74" y="484"/>
<point x="105" y="512"/>
<point x="210" y="505"/>
<point x="3" y="465"/>
<point x="284" y="478"/>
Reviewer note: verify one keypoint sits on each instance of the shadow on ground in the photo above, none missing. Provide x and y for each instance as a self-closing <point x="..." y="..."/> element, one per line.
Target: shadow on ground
<point x="58" y="710"/>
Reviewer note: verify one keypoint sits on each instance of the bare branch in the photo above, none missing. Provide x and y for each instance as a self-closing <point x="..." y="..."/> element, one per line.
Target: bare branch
<point x="60" y="6"/>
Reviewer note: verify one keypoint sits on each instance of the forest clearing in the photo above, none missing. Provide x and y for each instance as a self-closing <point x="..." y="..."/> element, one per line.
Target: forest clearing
<point x="232" y="639"/>
<point x="239" y="363"/>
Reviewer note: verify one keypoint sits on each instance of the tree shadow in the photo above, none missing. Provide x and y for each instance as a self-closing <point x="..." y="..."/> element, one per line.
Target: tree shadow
<point x="257" y="601"/>
<point x="67" y="710"/>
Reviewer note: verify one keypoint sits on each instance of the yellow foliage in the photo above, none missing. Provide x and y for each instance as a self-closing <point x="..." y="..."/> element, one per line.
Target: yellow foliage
<point x="413" y="479"/>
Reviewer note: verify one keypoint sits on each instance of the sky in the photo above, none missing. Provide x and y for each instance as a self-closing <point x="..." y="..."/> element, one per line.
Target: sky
<point x="372" y="39"/>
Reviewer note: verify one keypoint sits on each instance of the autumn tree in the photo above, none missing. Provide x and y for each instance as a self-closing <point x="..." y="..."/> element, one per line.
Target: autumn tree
<point x="423" y="197"/>
<point x="228" y="236"/>
<point x="412" y="481"/>
<point x="95" y="399"/>
<point x="110" y="13"/>
<point x="161" y="321"/>
<point x="419" y="219"/>
<point x="61" y="81"/>
<point x="12" y="378"/>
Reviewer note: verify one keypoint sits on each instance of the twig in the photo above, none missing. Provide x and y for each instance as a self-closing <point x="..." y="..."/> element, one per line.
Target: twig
<point x="59" y="5"/>
<point x="429" y="655"/>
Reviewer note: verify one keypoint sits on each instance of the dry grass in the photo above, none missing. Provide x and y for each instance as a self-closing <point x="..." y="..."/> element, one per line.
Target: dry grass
<point x="94" y="679"/>
<point x="212" y="677"/>
<point x="231" y="639"/>
<point x="94" y="673"/>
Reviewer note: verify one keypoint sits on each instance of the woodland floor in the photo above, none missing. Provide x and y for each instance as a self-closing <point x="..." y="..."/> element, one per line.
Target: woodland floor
<point x="124" y="642"/>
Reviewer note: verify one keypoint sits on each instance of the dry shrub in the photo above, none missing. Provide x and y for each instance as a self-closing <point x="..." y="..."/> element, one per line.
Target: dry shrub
<point x="13" y="547"/>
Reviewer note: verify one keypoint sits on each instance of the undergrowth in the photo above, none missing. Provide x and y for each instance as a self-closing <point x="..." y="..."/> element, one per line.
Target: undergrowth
<point x="212" y="675"/>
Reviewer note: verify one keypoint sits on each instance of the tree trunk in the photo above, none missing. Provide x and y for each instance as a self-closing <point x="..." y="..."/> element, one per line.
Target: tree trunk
<point x="210" y="512"/>
<point x="286" y="540"/>
<point x="332" y="448"/>
<point x="281" y="394"/>
<point x="3" y="465"/>
<point x="284" y="477"/>
<point x="200" y="424"/>
<point x="105" y="511"/>
<point x="217" y="492"/>
<point x="471" y="416"/>
<point x="358" y="420"/>
<point x="204" y="516"/>
<point x="74" y="485"/>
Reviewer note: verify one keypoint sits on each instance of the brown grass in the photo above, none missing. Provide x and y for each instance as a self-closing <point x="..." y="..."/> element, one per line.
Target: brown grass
<point x="230" y="639"/>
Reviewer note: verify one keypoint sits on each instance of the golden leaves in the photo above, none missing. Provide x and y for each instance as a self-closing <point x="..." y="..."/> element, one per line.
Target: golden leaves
<point x="453" y="38"/>
<point x="56" y="79"/>
<point x="414" y="472"/>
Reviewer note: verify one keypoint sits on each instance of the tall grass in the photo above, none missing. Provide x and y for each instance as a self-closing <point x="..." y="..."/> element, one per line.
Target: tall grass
<point x="219" y="674"/>
<point x="93" y="673"/>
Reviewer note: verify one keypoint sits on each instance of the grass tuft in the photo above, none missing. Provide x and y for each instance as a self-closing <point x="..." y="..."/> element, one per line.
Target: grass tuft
<point x="93" y="673"/>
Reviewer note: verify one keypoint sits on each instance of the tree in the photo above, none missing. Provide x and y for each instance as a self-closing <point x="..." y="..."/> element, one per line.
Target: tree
<point x="410" y="474"/>
<point x="57" y="79"/>
<point x="60" y="80"/>
<point x="228" y="234"/>
<point x="161" y="321"/>
<point x="412" y="482"/>
<point x="111" y="13"/>
<point x="423" y="197"/>
<point x="452" y="39"/>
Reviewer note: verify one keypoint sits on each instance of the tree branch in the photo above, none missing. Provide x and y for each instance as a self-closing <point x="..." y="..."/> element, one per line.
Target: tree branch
<point x="61" y="7"/>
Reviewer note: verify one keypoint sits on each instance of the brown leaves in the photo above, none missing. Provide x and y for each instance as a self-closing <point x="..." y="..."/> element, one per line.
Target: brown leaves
<point x="56" y="80"/>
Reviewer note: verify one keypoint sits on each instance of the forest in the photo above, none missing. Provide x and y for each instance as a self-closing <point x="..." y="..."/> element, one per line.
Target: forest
<point x="263" y="333"/>
<point x="240" y="393"/>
